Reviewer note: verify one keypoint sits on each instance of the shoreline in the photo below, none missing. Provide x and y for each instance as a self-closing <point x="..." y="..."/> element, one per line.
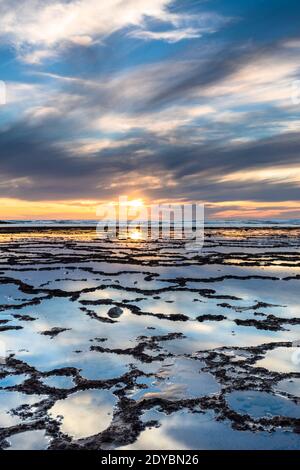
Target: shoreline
<point x="59" y="228"/>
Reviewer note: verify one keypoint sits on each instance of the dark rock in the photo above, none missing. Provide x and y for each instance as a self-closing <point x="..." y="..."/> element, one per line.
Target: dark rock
<point x="115" y="312"/>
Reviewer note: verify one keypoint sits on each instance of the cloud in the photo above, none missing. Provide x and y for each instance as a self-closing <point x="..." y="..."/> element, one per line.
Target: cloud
<point x="38" y="29"/>
<point x="212" y="118"/>
<point x="169" y="36"/>
<point x="185" y="26"/>
<point x="48" y="168"/>
<point x="271" y="175"/>
<point x="161" y="123"/>
<point x="37" y="56"/>
<point x="266" y="78"/>
<point x="48" y="23"/>
<point x="82" y="40"/>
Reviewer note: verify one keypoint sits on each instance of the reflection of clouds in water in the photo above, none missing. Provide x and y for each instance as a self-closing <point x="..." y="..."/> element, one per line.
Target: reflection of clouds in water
<point x="85" y="413"/>
<point x="47" y="353"/>
<point x="11" y="400"/>
<point x="159" y="439"/>
<point x="291" y="386"/>
<point x="59" y="381"/>
<point x="29" y="440"/>
<point x="280" y="360"/>
<point x="171" y="391"/>
<point x="207" y="271"/>
<point x="174" y="432"/>
<point x="74" y="285"/>
<point x="262" y="404"/>
<point x="209" y="335"/>
<point x="177" y="380"/>
<point x="183" y="430"/>
<point x="296" y="357"/>
<point x="12" y="380"/>
<point x="11" y="295"/>
<point x="109" y="293"/>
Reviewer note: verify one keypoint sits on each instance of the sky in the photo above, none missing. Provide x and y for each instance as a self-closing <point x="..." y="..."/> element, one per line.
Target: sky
<point x="167" y="101"/>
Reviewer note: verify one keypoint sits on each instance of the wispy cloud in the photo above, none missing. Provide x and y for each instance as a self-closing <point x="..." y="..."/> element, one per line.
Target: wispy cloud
<point x="169" y="36"/>
<point x="38" y="28"/>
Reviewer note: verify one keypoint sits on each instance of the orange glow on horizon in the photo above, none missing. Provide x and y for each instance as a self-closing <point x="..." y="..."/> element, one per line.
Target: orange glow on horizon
<point x="18" y="209"/>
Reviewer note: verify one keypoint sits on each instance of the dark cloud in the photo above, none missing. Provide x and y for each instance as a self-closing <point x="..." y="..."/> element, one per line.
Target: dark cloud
<point x="48" y="170"/>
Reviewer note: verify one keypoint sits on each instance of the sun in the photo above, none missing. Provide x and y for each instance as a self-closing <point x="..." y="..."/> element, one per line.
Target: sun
<point x="135" y="235"/>
<point x="135" y="203"/>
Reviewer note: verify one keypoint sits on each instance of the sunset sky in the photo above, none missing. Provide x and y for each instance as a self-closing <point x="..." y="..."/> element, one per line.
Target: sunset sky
<point x="156" y="99"/>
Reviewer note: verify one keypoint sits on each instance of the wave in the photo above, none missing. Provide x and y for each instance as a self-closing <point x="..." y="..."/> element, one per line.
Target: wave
<point x="207" y="223"/>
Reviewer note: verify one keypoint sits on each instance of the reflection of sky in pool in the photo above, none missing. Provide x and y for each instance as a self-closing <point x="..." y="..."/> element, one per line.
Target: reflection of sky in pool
<point x="183" y="430"/>
<point x="262" y="404"/>
<point x="85" y="413"/>
<point x="77" y="296"/>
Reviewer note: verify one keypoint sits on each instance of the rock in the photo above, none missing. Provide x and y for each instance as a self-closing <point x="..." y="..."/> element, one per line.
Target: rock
<point x="54" y="331"/>
<point x="115" y="312"/>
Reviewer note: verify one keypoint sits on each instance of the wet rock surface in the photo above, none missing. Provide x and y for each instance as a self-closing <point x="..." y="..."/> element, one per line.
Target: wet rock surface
<point x="129" y="336"/>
